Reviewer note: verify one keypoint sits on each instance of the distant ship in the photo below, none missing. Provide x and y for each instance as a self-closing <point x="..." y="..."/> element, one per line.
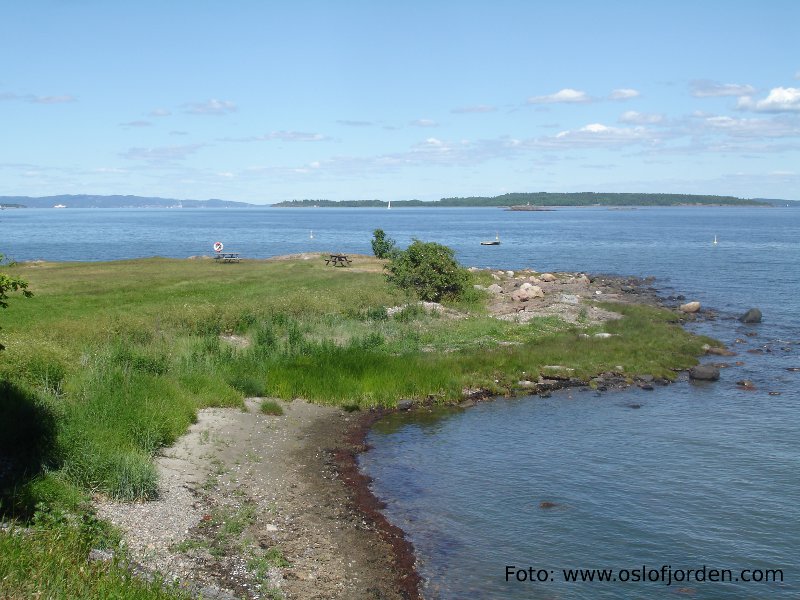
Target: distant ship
<point x="494" y="242"/>
<point x="59" y="206"/>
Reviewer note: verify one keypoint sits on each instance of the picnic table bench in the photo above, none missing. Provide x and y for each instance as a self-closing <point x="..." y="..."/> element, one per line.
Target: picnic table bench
<point x="227" y="257"/>
<point x="338" y="260"/>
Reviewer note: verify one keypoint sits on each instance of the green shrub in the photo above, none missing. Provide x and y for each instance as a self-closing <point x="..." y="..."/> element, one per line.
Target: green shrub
<point x="382" y="246"/>
<point x="429" y="270"/>
<point x="271" y="407"/>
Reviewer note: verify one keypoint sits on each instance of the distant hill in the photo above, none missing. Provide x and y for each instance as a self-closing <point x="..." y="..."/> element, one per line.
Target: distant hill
<point x="598" y="198"/>
<point x="548" y="199"/>
<point x="88" y="201"/>
<point x="778" y="202"/>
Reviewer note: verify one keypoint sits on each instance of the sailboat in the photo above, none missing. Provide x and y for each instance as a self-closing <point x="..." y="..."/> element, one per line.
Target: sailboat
<point x="311" y="235"/>
<point x="715" y="239"/>
<point x="494" y="242"/>
<point x="389" y="206"/>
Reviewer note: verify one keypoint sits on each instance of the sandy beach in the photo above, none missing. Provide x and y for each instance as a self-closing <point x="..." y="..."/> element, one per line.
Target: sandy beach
<point x="281" y="478"/>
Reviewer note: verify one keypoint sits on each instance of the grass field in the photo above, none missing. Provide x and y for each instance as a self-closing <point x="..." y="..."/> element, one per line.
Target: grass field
<point x="109" y="362"/>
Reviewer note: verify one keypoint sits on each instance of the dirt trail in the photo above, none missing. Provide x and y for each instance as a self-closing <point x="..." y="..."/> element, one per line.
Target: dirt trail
<point x="252" y="506"/>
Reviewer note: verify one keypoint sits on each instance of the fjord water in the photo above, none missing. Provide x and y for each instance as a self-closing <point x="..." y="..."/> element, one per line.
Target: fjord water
<point x="699" y="475"/>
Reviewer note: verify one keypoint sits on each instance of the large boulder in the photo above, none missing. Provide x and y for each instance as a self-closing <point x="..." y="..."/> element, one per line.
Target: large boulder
<point x="751" y="316"/>
<point x="689" y="307"/>
<point x="547" y="277"/>
<point x="527" y="292"/>
<point x="704" y="373"/>
<point x="495" y="289"/>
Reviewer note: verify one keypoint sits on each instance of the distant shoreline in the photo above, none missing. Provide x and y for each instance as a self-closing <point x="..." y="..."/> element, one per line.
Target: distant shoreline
<point x="516" y="201"/>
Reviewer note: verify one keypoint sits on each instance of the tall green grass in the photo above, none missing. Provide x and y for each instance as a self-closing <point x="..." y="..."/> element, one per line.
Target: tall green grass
<point x="121" y="355"/>
<point x="48" y="560"/>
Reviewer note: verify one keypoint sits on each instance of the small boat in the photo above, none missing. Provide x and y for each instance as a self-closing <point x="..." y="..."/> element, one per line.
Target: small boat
<point x="494" y="242"/>
<point x="715" y="240"/>
<point x="389" y="206"/>
<point x="311" y="235"/>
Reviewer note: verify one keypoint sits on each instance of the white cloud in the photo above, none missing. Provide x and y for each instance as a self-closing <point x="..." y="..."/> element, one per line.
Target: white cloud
<point x="355" y="123"/>
<point x="38" y="99"/>
<point x="599" y="135"/>
<point x="567" y="95"/>
<point x="108" y="170"/>
<point x="161" y="154"/>
<point x="424" y="123"/>
<point x="480" y="108"/>
<point x="636" y="118"/>
<point x="294" y="136"/>
<point x="159" y="112"/>
<point x="136" y="124"/>
<point x="212" y="107"/>
<point x="51" y="99"/>
<point x="283" y="136"/>
<point x="623" y="94"/>
<point x="703" y="88"/>
<point x="751" y="128"/>
<point x="779" y="99"/>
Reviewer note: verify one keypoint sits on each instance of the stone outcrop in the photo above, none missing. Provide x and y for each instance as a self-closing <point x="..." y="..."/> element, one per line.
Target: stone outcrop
<point x="704" y="373"/>
<point x="527" y="292"/>
<point x="751" y="316"/>
<point x="689" y="307"/>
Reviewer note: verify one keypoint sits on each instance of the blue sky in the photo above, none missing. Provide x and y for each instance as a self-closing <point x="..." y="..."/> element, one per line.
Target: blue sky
<point x="268" y="101"/>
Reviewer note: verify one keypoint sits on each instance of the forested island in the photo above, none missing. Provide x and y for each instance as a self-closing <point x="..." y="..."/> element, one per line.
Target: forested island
<point x="543" y="199"/>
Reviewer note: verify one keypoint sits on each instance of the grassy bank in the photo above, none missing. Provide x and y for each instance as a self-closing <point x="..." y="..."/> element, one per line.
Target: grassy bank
<point x="109" y="362"/>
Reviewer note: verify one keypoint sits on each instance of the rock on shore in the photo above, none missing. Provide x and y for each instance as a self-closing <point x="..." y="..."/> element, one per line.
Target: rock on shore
<point x="704" y="373"/>
<point x="751" y="316"/>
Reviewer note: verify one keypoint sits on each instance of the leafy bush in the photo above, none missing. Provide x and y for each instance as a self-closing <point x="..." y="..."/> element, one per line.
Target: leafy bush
<point x="429" y="270"/>
<point x="382" y="246"/>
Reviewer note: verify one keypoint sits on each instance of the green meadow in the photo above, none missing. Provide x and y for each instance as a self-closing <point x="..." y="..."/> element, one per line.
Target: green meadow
<point x="109" y="362"/>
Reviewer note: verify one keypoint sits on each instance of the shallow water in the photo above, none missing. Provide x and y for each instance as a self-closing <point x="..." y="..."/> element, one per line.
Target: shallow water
<point x="701" y="474"/>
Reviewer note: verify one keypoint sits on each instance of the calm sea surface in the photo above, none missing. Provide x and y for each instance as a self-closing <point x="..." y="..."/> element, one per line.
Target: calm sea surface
<point x="700" y="475"/>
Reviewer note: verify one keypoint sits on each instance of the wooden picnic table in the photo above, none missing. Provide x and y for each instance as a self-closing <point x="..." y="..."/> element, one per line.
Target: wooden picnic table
<point x="338" y="260"/>
<point x="227" y="257"/>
